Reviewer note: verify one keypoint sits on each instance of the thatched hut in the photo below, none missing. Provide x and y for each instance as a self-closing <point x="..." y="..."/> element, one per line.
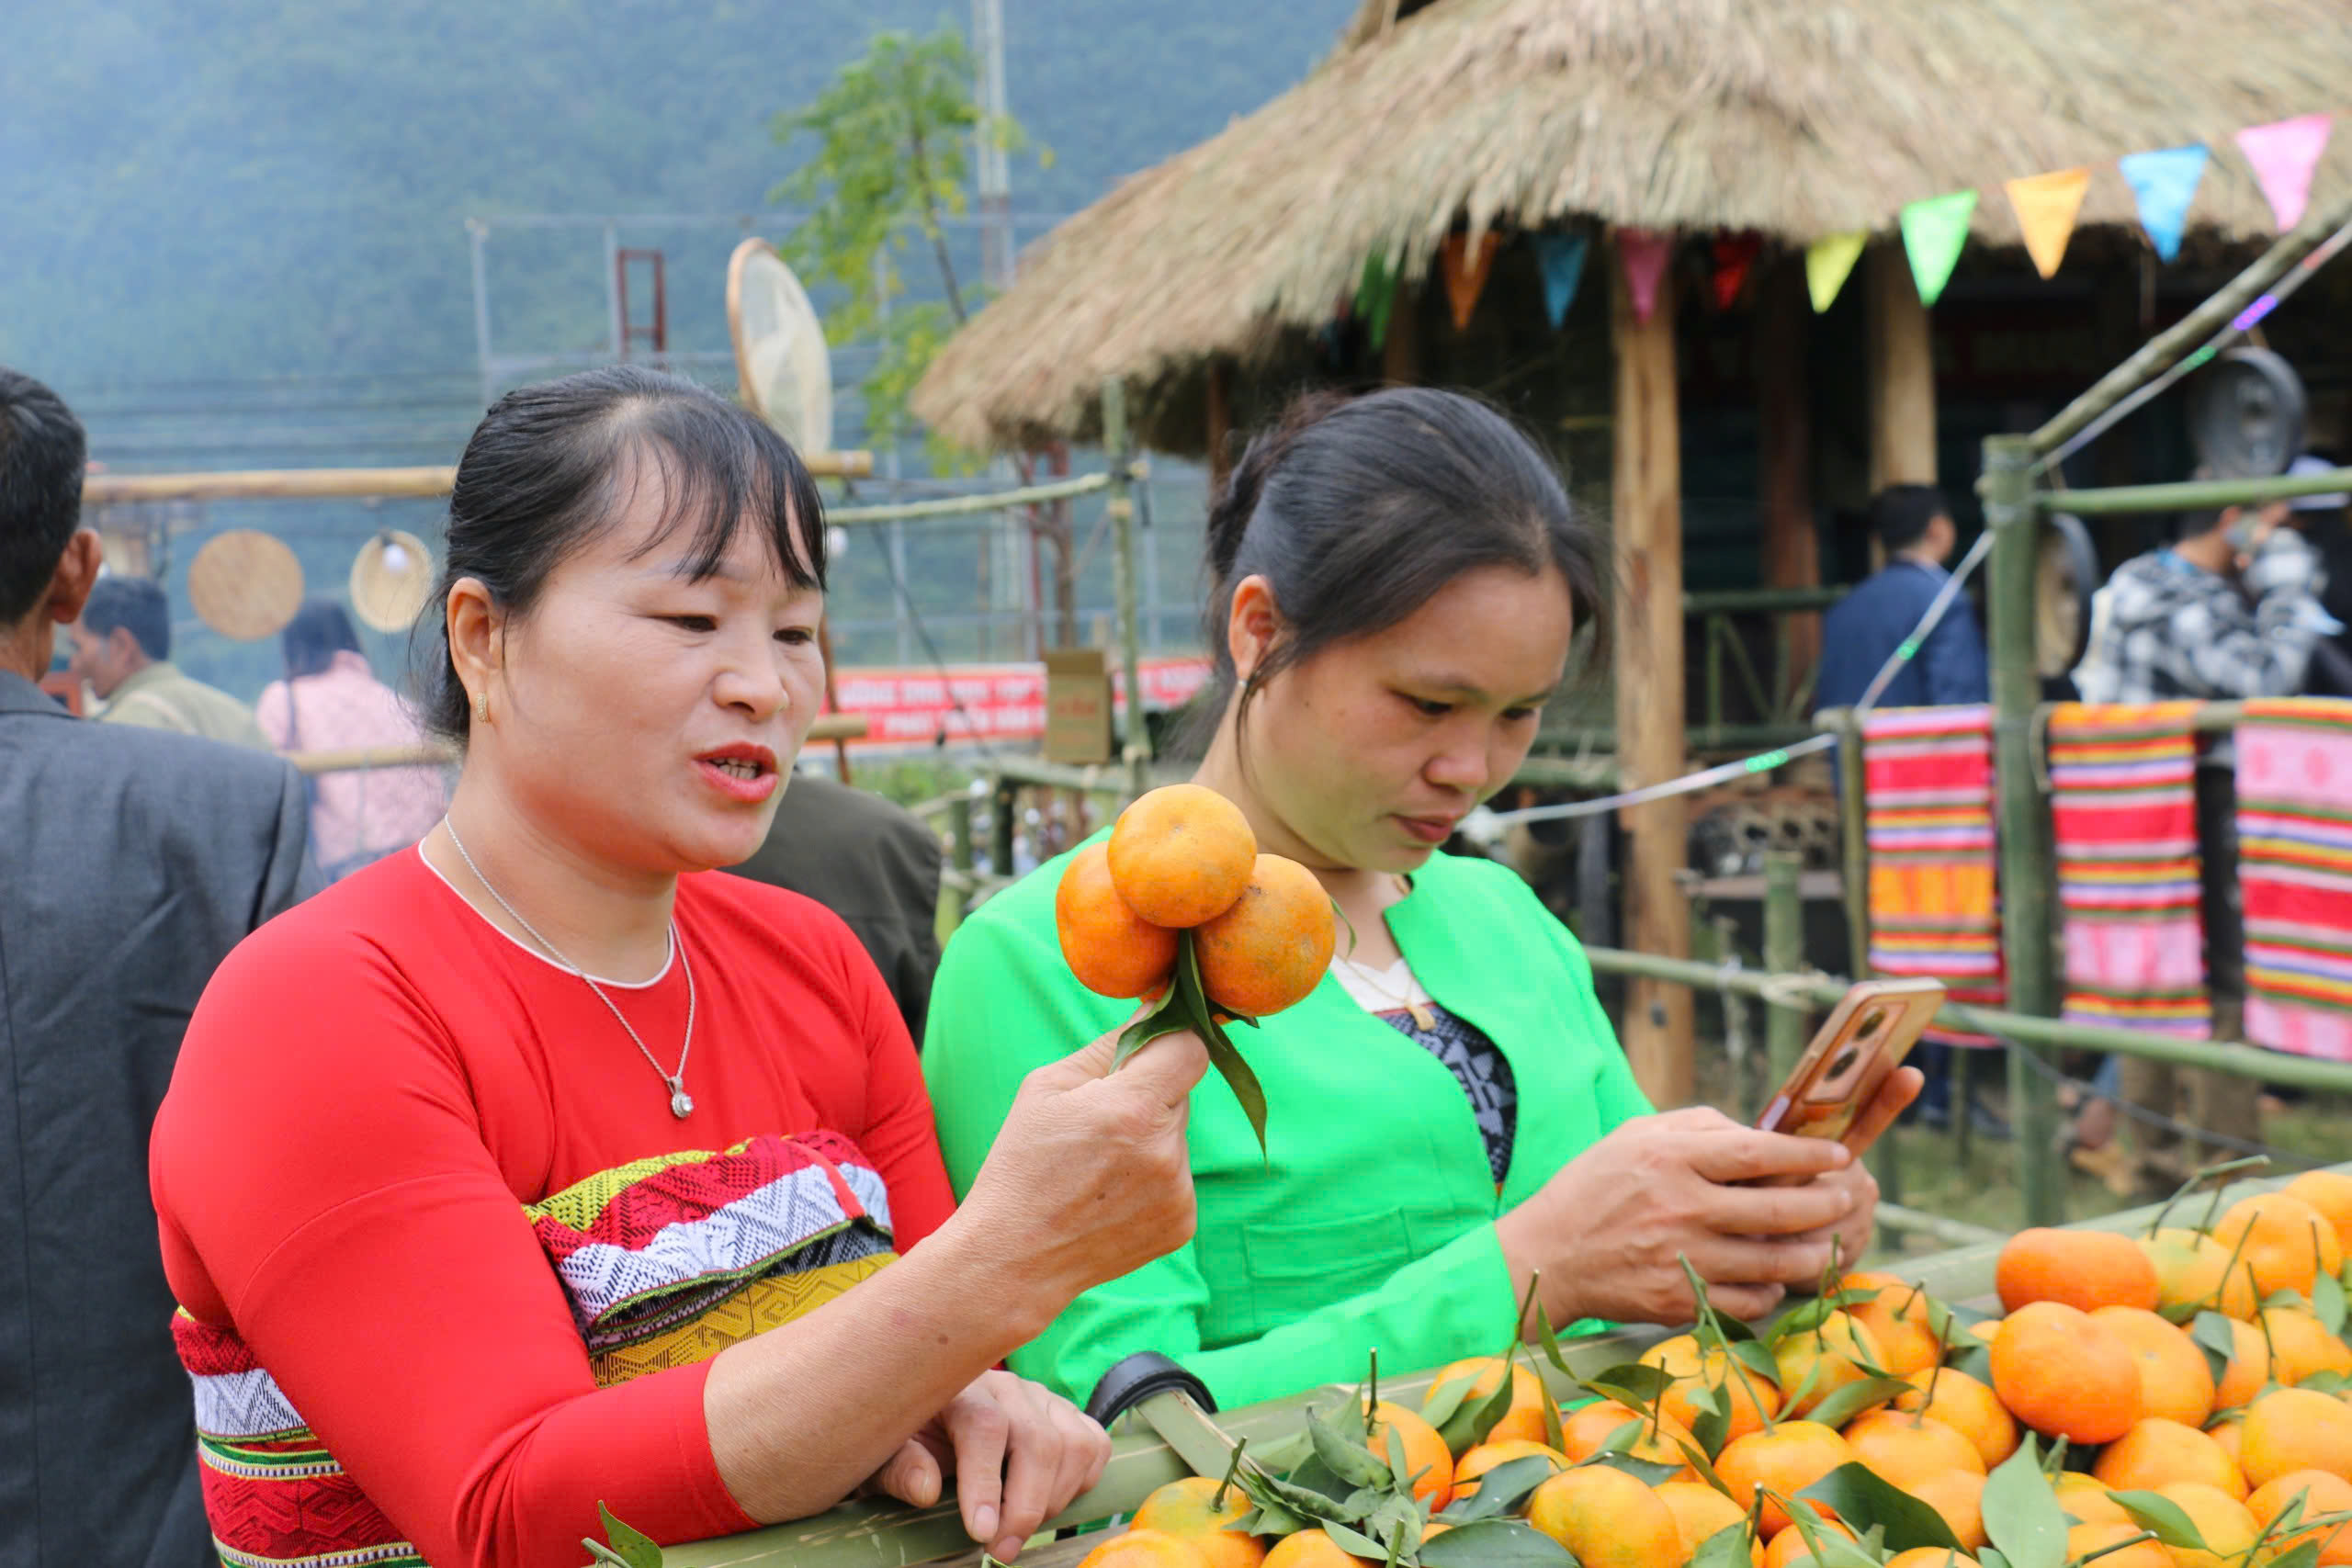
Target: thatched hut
<point x="1213" y="283"/>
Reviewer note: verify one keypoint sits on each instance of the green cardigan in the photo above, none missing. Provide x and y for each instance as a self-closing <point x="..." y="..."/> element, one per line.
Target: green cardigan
<point x="1369" y="1221"/>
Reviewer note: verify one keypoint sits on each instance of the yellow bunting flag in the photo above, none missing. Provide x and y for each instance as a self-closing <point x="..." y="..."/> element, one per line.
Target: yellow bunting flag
<point x="1465" y="270"/>
<point x="1828" y="261"/>
<point x="2046" y="206"/>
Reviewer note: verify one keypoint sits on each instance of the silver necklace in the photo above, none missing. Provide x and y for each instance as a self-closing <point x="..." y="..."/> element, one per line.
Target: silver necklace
<point x="682" y="1104"/>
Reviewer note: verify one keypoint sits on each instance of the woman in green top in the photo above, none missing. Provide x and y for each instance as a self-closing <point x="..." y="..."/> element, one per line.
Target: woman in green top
<point x="1398" y="578"/>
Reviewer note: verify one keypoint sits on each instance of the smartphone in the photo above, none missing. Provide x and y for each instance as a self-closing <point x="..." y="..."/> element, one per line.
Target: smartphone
<point x="1862" y="1040"/>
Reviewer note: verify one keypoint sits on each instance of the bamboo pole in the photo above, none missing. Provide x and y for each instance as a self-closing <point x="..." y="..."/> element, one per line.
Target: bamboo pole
<point x="1784" y="453"/>
<point x="1219" y="420"/>
<point x="964" y="505"/>
<point x="323" y="484"/>
<point x="1645" y="495"/>
<point x="1783" y="954"/>
<point x="1902" y="373"/>
<point x="1136" y="740"/>
<point x="2027" y="933"/>
<point x="2194" y="495"/>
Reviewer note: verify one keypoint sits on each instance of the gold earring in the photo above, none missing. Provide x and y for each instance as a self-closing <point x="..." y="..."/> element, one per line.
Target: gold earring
<point x="481" y="707"/>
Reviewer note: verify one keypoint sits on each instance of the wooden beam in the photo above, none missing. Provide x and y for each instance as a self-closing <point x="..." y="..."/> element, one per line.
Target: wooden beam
<point x="315" y="484"/>
<point x="1401" y="355"/>
<point x="1646" y="498"/>
<point x="1784" y="452"/>
<point x="1220" y="426"/>
<point x="1902" y="373"/>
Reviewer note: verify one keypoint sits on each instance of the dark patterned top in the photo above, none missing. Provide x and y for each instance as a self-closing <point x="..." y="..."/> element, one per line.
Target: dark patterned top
<point x="1478" y="1067"/>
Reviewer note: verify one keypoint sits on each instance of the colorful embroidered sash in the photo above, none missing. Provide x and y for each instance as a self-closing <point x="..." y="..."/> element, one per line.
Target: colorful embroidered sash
<point x="666" y="1261"/>
<point x="2295" y="866"/>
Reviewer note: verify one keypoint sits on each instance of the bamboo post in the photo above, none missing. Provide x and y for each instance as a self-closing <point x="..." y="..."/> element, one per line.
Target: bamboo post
<point x="1783" y="954"/>
<point x="1401" y="355"/>
<point x="1854" y="882"/>
<point x="2026" y="914"/>
<point x="319" y="484"/>
<point x="1784" y="454"/>
<point x="1902" y="377"/>
<point x="959" y="828"/>
<point x="1135" y="752"/>
<point x="1002" y="802"/>
<point x="1646" y="498"/>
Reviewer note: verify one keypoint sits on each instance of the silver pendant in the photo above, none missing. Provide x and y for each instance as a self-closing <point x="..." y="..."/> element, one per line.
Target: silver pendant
<point x="682" y="1104"/>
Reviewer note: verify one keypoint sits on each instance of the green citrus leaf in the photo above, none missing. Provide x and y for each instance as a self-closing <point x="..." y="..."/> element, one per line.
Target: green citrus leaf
<point x="1649" y="1472"/>
<point x="1977" y="1361"/>
<point x="1728" y="1548"/>
<point x="1446" y="1398"/>
<point x="1631" y="1385"/>
<point x="1495" y="1543"/>
<point x="2021" y="1512"/>
<point x="633" y="1547"/>
<point x="2327" y="1303"/>
<point x="2324" y="1382"/>
<point x="1349" y="1460"/>
<point x="1856" y="1398"/>
<point x="1237" y="1077"/>
<point x="1354" y="1542"/>
<point x="2304" y="1556"/>
<point x="1866" y="1501"/>
<point x="2154" y="1511"/>
<point x="1711" y="1418"/>
<point x="1502" y="1489"/>
<point x="1476" y="1419"/>
<point x="1550" y="1340"/>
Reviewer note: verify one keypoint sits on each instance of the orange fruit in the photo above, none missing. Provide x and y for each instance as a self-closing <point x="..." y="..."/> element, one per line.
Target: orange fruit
<point x="1958" y="1497"/>
<point x="1113" y="951"/>
<point x="2283" y="1239"/>
<point x="1475" y="1461"/>
<point x="2226" y="1524"/>
<point x="1524" y="1419"/>
<point x="1308" y="1549"/>
<point x="1182" y="854"/>
<point x="2156" y="1452"/>
<point x="2189" y="1266"/>
<point x="2105" y="1536"/>
<point x="1428" y="1463"/>
<point x="2231" y="1435"/>
<point x="1700" y="1513"/>
<point x="1966" y="1406"/>
<point x="2329" y="1191"/>
<point x="2322" y="1493"/>
<point x="1273" y="946"/>
<point x="1143" y="1548"/>
<point x="2176" y="1381"/>
<point x="2249" y="1367"/>
<point x="2300" y="1345"/>
<point x="1583" y="1434"/>
<point x="2064" y="1374"/>
<point x="1897" y="1320"/>
<point x="1816" y="1362"/>
<point x="2082" y="1496"/>
<point x="1188" y="1510"/>
<point x="1787" y="1459"/>
<point x="1907" y="1448"/>
<point x="1606" y="1518"/>
<point x="2290" y="1430"/>
<point x="2081" y="1268"/>
<point x="1931" y="1557"/>
<point x="1791" y="1549"/>
<point x="1752" y="1401"/>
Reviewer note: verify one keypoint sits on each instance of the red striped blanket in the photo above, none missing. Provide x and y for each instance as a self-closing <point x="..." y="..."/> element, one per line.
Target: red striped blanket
<point x="2294" y="767"/>
<point x="1928" y="805"/>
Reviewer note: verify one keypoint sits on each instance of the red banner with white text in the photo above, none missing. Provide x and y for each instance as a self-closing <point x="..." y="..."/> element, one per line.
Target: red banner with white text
<point x="972" y="703"/>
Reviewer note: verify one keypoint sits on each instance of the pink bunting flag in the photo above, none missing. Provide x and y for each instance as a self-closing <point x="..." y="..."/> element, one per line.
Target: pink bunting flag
<point x="1735" y="258"/>
<point x="2284" y="153"/>
<point x="1645" y="253"/>
<point x="1465" y="272"/>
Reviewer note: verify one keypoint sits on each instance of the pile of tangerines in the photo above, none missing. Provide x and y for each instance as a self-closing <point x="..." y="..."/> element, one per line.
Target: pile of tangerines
<point x="1176" y="905"/>
<point x="2181" y="1399"/>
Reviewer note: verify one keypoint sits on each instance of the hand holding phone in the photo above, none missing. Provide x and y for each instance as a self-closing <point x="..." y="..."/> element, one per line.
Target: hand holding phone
<point x="1857" y="1049"/>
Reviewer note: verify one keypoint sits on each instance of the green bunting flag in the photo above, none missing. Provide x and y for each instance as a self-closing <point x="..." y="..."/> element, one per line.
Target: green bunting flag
<point x="1375" y="294"/>
<point x="1934" y="231"/>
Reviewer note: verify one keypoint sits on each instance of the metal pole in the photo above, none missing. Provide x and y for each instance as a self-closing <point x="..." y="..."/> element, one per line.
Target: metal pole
<point x="959" y="825"/>
<point x="1783" y="954"/>
<point x="1002" y="805"/>
<point x="478" y="232"/>
<point x="1854" y="881"/>
<point x="1137" y="751"/>
<point x="613" y="292"/>
<point x="2025" y="856"/>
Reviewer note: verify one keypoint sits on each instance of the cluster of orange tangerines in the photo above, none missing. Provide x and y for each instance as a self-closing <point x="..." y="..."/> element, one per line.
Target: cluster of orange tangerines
<point x="2181" y="1399"/>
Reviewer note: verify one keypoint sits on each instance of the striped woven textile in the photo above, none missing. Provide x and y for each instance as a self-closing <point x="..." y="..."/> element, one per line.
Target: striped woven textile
<point x="666" y="1262"/>
<point x="1928" y="815"/>
<point x="2294" y="767"/>
<point x="2123" y="804"/>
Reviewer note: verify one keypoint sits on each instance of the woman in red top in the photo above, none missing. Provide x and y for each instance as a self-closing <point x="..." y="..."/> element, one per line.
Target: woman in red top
<point x="533" y="1168"/>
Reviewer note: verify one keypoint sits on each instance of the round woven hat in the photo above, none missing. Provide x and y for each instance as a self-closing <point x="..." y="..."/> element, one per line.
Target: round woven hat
<point x="390" y="579"/>
<point x="245" y="584"/>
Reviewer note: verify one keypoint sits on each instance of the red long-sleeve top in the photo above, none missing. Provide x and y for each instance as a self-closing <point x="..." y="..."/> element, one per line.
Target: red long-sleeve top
<point x="373" y="1085"/>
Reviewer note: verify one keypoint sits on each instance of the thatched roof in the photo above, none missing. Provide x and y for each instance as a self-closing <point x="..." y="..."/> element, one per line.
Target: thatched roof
<point x="1794" y="117"/>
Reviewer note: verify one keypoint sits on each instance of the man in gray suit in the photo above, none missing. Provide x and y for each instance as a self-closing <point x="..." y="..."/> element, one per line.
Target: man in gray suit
<point x="132" y="860"/>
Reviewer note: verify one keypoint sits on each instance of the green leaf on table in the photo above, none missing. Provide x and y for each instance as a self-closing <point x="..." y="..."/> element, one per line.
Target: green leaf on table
<point x="2171" y="1523"/>
<point x="1554" y="1437"/>
<point x="1475" y="1420"/>
<point x="1757" y="1358"/>
<point x="1850" y="1401"/>
<point x="1344" y="1457"/>
<point x="2213" y="1335"/>
<point x="1311" y="1474"/>
<point x="1549" y="1340"/>
<point x="1649" y="1472"/>
<point x="1988" y="1558"/>
<point x="2021" y="1512"/>
<point x="1728" y="1548"/>
<point x="2304" y="1556"/>
<point x="1502" y="1489"/>
<point x="1446" y="1398"/>
<point x="2324" y="1382"/>
<point x="1354" y="1542"/>
<point x="1977" y="1361"/>
<point x="1866" y="1500"/>
<point x="1710" y="1418"/>
<point x="1631" y="1383"/>
<point x="2285" y="1300"/>
<point x="1495" y="1543"/>
<point x="1271" y="1518"/>
<point x="2327" y="1303"/>
<point x="1827" y="1546"/>
<point x="633" y="1547"/>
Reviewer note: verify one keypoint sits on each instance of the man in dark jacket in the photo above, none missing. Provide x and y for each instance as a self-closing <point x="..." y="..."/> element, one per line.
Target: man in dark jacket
<point x="1863" y="629"/>
<point x="134" y="859"/>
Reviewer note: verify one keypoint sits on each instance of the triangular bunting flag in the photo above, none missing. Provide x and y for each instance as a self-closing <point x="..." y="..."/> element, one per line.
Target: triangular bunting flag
<point x="1375" y="293"/>
<point x="1561" y="256"/>
<point x="2046" y="206"/>
<point x="1465" y="272"/>
<point x="1828" y="261"/>
<point x="1934" y="231"/>
<point x="2284" y="153"/>
<point x="2164" y="183"/>
<point x="1734" y="257"/>
<point x="1645" y="253"/>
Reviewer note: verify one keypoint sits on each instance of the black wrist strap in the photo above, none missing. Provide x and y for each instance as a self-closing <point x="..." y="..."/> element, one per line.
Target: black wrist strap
<point x="1138" y="1378"/>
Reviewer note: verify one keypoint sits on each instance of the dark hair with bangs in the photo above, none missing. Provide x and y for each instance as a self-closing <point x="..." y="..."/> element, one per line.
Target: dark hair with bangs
<point x="544" y="474"/>
<point x="1359" y="510"/>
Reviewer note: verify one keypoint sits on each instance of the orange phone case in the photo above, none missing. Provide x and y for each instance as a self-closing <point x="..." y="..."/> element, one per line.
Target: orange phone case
<point x="1861" y="1041"/>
